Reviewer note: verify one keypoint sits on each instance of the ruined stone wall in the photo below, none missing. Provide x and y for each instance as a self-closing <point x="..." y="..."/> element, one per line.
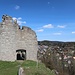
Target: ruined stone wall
<point x="13" y="38"/>
<point x="7" y="40"/>
<point x="27" y="40"/>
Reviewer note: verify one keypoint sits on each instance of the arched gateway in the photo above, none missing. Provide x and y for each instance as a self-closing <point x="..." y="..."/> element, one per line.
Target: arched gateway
<point x="20" y="54"/>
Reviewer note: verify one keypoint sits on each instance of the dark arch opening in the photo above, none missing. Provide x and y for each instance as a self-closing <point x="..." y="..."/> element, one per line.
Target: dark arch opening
<point x="21" y="54"/>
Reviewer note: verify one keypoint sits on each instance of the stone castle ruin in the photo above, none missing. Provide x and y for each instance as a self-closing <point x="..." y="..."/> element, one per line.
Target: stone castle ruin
<point x="16" y="43"/>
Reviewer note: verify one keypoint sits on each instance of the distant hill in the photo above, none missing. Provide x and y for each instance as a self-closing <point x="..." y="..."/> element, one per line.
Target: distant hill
<point x="46" y="42"/>
<point x="53" y="43"/>
<point x="57" y="43"/>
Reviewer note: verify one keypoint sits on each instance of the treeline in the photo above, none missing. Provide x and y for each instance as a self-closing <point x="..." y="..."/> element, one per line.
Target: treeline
<point x="53" y="43"/>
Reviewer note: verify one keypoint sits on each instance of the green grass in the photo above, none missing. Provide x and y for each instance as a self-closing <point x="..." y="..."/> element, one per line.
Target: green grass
<point x="30" y="67"/>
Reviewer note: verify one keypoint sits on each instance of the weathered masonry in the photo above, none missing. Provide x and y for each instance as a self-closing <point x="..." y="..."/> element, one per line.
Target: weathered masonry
<point x="16" y="43"/>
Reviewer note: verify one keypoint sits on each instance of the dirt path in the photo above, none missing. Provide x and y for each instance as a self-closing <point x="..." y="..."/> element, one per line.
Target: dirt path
<point x="21" y="71"/>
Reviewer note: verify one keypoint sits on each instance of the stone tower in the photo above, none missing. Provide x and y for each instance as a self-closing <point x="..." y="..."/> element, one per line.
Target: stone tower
<point x="16" y="43"/>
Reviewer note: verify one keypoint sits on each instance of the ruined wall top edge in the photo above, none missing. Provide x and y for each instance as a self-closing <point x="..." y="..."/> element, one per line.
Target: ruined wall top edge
<point x="14" y="22"/>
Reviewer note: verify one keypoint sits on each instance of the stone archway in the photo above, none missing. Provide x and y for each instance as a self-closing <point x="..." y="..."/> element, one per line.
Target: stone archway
<point x="21" y="54"/>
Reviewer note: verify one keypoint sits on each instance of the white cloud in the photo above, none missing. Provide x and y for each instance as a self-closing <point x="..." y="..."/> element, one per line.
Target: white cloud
<point x="48" y="26"/>
<point x="73" y="32"/>
<point x="14" y="18"/>
<point x="61" y="26"/>
<point x="17" y="7"/>
<point x="40" y="30"/>
<point x="56" y="33"/>
<point x="19" y="20"/>
<point x="48" y="2"/>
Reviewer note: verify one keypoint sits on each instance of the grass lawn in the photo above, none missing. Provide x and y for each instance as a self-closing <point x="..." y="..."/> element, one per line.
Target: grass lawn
<point x="30" y="67"/>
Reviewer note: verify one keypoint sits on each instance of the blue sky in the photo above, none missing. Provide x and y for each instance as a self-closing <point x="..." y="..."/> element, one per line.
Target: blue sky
<point x="52" y="20"/>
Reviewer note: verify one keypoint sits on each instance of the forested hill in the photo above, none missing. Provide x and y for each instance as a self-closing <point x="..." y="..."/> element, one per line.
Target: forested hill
<point x="53" y="43"/>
